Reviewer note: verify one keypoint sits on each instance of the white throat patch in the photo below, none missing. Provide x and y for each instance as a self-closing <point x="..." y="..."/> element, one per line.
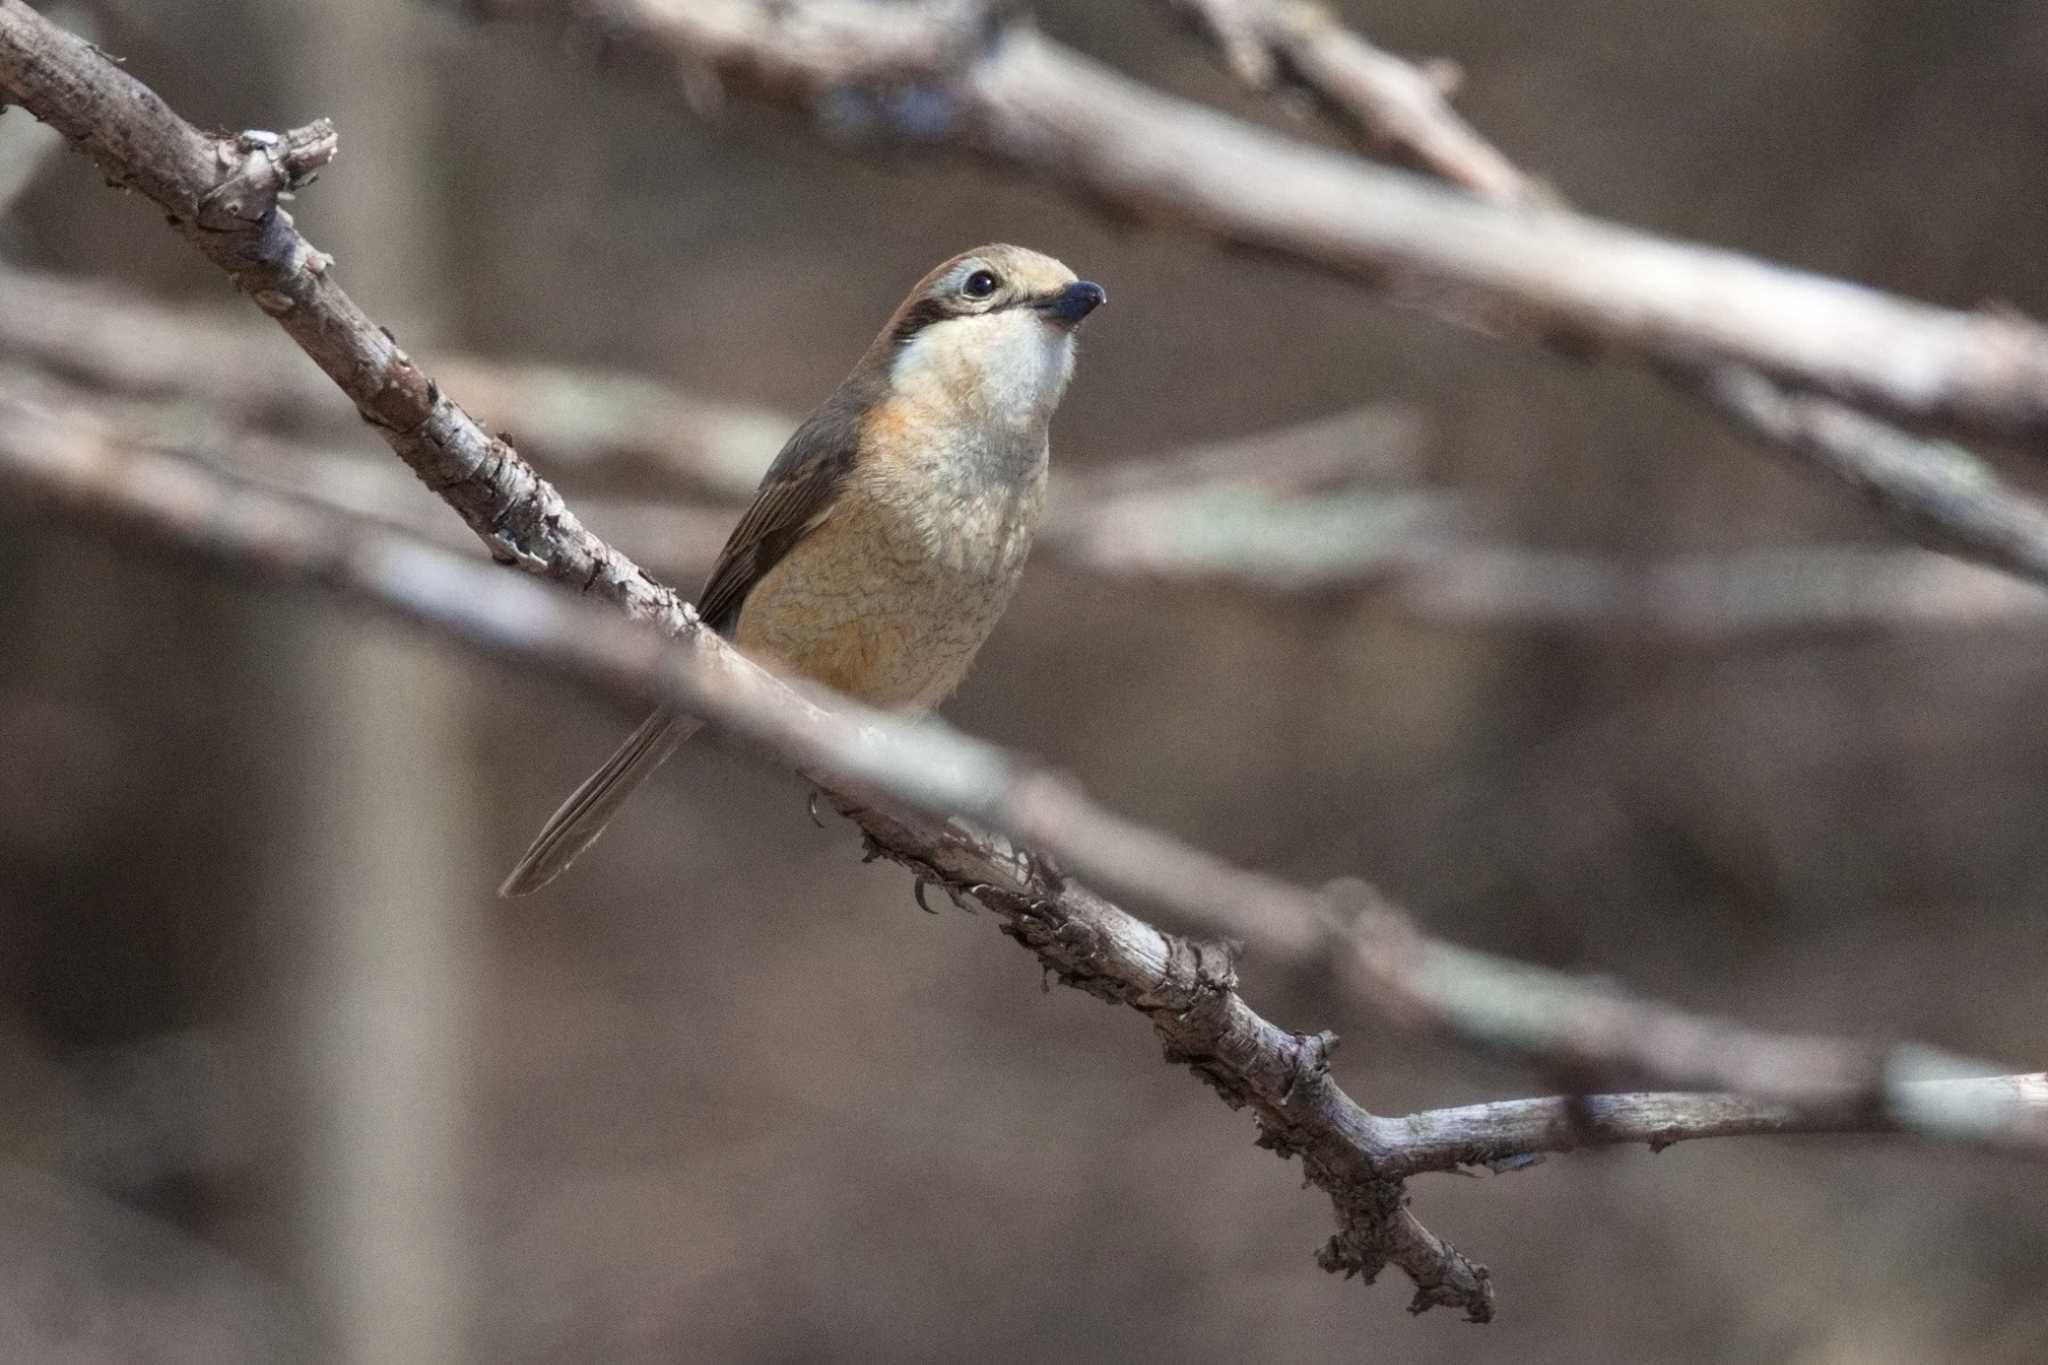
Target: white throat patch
<point x="1008" y="367"/>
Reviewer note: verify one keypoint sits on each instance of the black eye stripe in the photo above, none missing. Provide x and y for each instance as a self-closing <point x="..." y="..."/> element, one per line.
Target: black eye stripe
<point x="938" y="307"/>
<point x="919" y="316"/>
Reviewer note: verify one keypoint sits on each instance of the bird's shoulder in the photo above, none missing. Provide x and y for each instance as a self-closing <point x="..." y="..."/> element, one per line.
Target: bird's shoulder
<point x="795" y="495"/>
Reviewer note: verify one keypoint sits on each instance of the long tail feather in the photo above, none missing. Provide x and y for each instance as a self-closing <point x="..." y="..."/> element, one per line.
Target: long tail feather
<point x="591" y="806"/>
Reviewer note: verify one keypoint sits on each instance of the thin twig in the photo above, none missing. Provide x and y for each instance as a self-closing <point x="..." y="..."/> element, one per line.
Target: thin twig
<point x="1942" y="494"/>
<point x="1272" y="511"/>
<point x="1203" y="515"/>
<point x="1280" y="511"/>
<point x="1489" y="1134"/>
<point x="1398" y="111"/>
<point x="599" y="426"/>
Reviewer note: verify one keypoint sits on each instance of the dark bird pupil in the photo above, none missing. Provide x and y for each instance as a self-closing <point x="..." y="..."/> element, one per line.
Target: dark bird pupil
<point x="981" y="284"/>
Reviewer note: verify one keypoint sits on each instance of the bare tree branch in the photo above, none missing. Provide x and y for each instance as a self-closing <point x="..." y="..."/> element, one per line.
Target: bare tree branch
<point x="1940" y="494"/>
<point x="222" y="195"/>
<point x="1399" y="112"/>
<point x="1490" y="1134"/>
<point x="1187" y="990"/>
<point x="1167" y="516"/>
<point x="262" y="414"/>
<point x="1215" y="513"/>
<point x="604" y="425"/>
<point x="1944" y="495"/>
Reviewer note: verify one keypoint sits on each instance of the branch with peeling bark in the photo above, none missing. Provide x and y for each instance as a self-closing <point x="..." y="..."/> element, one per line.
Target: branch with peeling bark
<point x="905" y="781"/>
<point x="223" y="195"/>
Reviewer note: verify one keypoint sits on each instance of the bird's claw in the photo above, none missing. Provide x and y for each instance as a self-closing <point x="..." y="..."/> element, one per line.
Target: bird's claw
<point x="1041" y="867"/>
<point x="917" y="893"/>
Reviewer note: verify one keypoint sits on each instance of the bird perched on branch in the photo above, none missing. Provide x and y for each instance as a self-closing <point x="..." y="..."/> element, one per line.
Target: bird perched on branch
<point x="888" y="535"/>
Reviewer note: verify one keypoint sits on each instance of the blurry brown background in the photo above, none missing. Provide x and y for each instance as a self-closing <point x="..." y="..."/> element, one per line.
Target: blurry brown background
<point x="280" y="1080"/>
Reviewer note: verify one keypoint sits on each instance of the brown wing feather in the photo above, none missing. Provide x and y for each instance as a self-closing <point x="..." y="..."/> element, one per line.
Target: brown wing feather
<point x="795" y="495"/>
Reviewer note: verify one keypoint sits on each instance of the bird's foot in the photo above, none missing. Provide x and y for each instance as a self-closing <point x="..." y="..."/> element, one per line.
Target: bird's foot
<point x="1042" y="870"/>
<point x="962" y="900"/>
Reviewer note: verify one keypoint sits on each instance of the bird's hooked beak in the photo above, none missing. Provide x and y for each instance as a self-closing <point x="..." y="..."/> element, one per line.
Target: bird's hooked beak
<point x="1067" y="307"/>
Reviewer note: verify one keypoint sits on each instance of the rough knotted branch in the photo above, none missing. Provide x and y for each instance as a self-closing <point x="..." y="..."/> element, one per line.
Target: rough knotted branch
<point x="1189" y="994"/>
<point x="222" y="194"/>
<point x="1188" y="991"/>
<point x="1185" y="988"/>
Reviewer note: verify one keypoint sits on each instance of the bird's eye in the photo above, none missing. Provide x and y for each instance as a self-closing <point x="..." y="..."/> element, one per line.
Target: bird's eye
<point x="980" y="284"/>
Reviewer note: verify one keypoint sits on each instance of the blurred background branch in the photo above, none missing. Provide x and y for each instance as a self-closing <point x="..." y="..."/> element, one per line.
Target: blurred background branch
<point x="1398" y="112"/>
<point x="955" y="72"/>
<point x="1328" y="504"/>
<point x="1333" y="503"/>
<point x="1820" y="822"/>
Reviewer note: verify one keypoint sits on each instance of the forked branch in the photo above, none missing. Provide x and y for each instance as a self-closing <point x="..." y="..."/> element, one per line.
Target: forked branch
<point x="905" y="781"/>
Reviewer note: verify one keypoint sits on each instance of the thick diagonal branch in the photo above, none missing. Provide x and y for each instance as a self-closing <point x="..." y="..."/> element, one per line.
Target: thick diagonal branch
<point x="222" y="194"/>
<point x="1188" y="991"/>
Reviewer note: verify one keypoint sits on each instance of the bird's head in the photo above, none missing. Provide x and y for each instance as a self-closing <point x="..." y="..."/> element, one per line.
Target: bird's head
<point x="989" y="333"/>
